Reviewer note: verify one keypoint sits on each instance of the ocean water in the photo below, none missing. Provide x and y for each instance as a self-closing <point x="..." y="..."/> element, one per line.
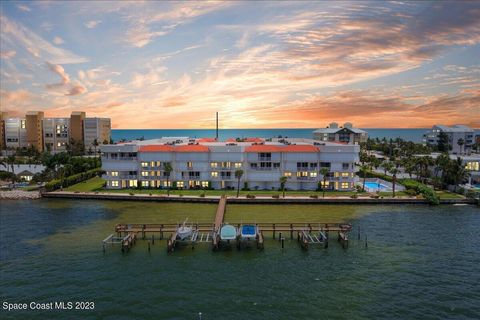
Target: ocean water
<point x="415" y="135"/>
<point x="421" y="263"/>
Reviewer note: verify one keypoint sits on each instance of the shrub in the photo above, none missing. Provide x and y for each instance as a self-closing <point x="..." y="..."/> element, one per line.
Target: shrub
<point x="71" y="180"/>
<point x="314" y="196"/>
<point x="429" y="194"/>
<point x="131" y="193"/>
<point x="411" y="192"/>
<point x="202" y="195"/>
<point x="275" y="196"/>
<point x="250" y="196"/>
<point x="354" y="196"/>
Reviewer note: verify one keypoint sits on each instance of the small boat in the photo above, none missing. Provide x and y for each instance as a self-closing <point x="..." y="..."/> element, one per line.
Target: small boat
<point x="184" y="231"/>
<point x="248" y="232"/>
<point x="228" y="232"/>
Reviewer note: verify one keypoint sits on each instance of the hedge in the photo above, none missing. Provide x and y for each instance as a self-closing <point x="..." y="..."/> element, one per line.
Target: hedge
<point x="71" y="180"/>
<point x="427" y="192"/>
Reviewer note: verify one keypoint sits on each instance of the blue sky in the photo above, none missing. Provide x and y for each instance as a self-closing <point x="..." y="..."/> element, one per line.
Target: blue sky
<point x="260" y="64"/>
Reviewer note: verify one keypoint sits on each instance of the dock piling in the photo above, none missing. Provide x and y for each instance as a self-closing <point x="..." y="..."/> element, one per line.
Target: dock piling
<point x="366" y="243"/>
<point x="153" y="239"/>
<point x="273" y="226"/>
<point x="283" y="240"/>
<point x="291" y="231"/>
<point x="148" y="246"/>
<point x="280" y="236"/>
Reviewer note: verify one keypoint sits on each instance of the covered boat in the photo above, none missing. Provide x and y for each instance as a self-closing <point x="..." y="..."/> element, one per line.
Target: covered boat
<point x="184" y="231"/>
<point x="228" y="232"/>
<point x="248" y="231"/>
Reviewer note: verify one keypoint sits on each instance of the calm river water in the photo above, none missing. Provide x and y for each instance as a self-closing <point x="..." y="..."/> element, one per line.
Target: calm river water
<point x="421" y="263"/>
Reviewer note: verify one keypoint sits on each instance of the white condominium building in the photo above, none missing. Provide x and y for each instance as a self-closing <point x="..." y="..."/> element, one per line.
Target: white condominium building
<point x="345" y="134"/>
<point x="458" y="138"/>
<point x="206" y="163"/>
<point x="96" y="129"/>
<point x="15" y="132"/>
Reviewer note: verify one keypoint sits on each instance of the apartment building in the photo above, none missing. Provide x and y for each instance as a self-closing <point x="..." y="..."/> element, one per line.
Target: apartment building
<point x="458" y="138"/>
<point x="96" y="129"/>
<point x="3" y="115"/>
<point x="202" y="163"/>
<point x="56" y="133"/>
<point x="53" y="134"/>
<point x="345" y="134"/>
<point x="15" y="132"/>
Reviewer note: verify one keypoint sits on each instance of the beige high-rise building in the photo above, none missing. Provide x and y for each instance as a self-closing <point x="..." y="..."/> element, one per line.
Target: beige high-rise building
<point x="34" y="129"/>
<point x="52" y="134"/>
<point x="96" y="128"/>
<point x="76" y="126"/>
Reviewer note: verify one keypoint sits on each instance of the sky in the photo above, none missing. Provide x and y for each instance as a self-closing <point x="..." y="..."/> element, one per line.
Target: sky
<point x="171" y="65"/>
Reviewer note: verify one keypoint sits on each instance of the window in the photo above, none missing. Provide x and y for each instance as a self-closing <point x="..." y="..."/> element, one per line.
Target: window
<point x="213" y="164"/>
<point x="114" y="183"/>
<point x="204" y="184"/>
<point x="22" y="124"/>
<point x="189" y="164"/>
<point x="238" y="165"/>
<point x="301" y="174"/>
<point x="214" y="174"/>
<point x="313" y="165"/>
<point x="345" y="174"/>
<point x="145" y="184"/>
<point x="473" y="166"/>
<point x="152" y="164"/>
<point x="144" y="164"/>
<point x="325" y="184"/>
<point x="158" y="173"/>
<point x="345" y="185"/>
<point x="345" y="166"/>
<point x="179" y="184"/>
<point x="276" y="164"/>
<point x="287" y="174"/>
<point x="325" y="164"/>
<point x="159" y="164"/>
<point x="253" y="165"/>
<point x="226" y="165"/>
<point x="132" y="183"/>
<point x="313" y="174"/>
<point x="168" y="183"/>
<point x="302" y="164"/>
<point x="152" y="173"/>
<point x="144" y="173"/>
<point x="114" y="174"/>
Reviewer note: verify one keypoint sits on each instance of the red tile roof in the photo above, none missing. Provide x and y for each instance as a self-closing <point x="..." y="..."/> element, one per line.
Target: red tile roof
<point x="253" y="140"/>
<point x="287" y="148"/>
<point x="263" y="148"/>
<point x="300" y="148"/>
<point x="156" y="148"/>
<point x="191" y="148"/>
<point x="206" y="140"/>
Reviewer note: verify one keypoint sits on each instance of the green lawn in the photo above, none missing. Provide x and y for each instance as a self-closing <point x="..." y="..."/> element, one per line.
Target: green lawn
<point x="93" y="184"/>
<point x="96" y="184"/>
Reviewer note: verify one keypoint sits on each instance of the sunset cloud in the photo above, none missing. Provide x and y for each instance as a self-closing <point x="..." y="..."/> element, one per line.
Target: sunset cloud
<point x="262" y="64"/>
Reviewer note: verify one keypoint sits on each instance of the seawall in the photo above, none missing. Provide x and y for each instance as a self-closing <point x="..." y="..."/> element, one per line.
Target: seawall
<point x="257" y="200"/>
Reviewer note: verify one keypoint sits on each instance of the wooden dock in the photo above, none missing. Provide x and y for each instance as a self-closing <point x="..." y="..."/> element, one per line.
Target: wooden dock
<point x="307" y="232"/>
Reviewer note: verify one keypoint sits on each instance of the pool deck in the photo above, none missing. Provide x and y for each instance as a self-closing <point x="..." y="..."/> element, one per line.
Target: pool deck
<point x="244" y="200"/>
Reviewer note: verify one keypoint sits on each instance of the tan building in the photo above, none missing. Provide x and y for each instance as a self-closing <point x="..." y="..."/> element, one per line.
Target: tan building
<point x="76" y="125"/>
<point x="53" y="134"/>
<point x="96" y="128"/>
<point x="34" y="129"/>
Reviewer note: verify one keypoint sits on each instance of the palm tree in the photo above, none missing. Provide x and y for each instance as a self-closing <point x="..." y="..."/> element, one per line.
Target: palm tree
<point x="95" y="145"/>
<point x="461" y="143"/>
<point x="394" y="172"/>
<point x="238" y="175"/>
<point x="283" y="181"/>
<point x="167" y="168"/>
<point x="324" y="172"/>
<point x="387" y="166"/>
<point x="458" y="172"/>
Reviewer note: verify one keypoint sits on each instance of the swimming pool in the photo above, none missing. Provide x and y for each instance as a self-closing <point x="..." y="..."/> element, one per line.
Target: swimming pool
<point x="375" y="186"/>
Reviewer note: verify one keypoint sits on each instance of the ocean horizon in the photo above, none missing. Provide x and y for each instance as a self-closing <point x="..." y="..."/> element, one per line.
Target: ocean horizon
<point x="411" y="134"/>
